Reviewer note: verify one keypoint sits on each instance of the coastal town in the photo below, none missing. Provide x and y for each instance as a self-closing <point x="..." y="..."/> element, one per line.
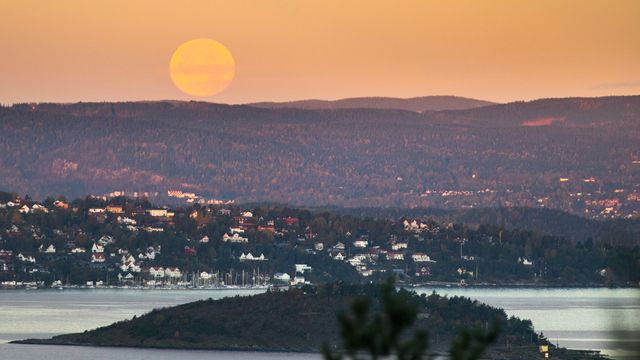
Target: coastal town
<point x="121" y="242"/>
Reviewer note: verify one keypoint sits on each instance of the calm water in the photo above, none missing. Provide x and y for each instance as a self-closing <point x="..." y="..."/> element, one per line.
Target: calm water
<point x="606" y="319"/>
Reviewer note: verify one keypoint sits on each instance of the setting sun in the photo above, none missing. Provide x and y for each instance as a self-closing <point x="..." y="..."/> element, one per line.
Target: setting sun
<point x="202" y="67"/>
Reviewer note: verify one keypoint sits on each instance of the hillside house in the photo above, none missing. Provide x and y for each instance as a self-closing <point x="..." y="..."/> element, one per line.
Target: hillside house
<point x="235" y="238"/>
<point x="301" y="268"/>
<point x="156" y="272"/>
<point x="525" y="261"/>
<point x="97" y="258"/>
<point x="114" y="209"/>
<point x="173" y="273"/>
<point x="130" y="266"/>
<point x="29" y="259"/>
<point x="162" y="213"/>
<point x="361" y="243"/>
<point x="249" y="257"/>
<point x="399" y="246"/>
<point x="395" y="256"/>
<point x="236" y="230"/>
<point x="60" y="204"/>
<point x="420" y="257"/>
<point x="298" y="280"/>
<point x="339" y="246"/>
<point x="282" y="277"/>
<point x="97" y="248"/>
<point x="48" y="250"/>
<point x="35" y="208"/>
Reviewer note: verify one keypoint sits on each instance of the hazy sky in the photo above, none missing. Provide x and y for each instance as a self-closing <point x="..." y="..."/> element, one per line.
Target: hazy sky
<point x="495" y="50"/>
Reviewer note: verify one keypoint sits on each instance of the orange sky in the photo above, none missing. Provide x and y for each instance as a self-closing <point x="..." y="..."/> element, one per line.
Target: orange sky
<point x="71" y="51"/>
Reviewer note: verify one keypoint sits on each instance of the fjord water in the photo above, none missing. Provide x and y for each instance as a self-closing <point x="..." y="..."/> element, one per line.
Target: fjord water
<point x="602" y="319"/>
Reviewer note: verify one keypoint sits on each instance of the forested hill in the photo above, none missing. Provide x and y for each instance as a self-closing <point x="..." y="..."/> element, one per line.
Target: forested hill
<point x="578" y="155"/>
<point x="417" y="104"/>
<point x="304" y="320"/>
<point x="546" y="221"/>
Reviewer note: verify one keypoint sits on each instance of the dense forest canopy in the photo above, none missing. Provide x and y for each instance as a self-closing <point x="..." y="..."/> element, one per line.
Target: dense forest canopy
<point x="577" y="155"/>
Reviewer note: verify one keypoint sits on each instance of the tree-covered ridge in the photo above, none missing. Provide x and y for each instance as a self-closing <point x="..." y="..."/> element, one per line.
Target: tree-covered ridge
<point x="99" y="239"/>
<point x="417" y="104"/>
<point x="582" y="159"/>
<point x="548" y="221"/>
<point x="302" y="320"/>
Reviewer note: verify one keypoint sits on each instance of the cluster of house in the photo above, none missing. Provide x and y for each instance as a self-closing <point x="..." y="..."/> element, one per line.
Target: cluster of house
<point x="358" y="251"/>
<point x="283" y="278"/>
<point x="364" y="257"/>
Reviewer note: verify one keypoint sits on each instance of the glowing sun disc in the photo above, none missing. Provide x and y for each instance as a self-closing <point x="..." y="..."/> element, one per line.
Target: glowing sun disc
<point x="202" y="67"/>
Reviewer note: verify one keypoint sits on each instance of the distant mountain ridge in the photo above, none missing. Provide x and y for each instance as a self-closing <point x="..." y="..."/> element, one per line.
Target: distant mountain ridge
<point x="494" y="156"/>
<point x="417" y="104"/>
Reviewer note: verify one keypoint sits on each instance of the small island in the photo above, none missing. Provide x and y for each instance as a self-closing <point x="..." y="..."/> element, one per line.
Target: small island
<point x="304" y="320"/>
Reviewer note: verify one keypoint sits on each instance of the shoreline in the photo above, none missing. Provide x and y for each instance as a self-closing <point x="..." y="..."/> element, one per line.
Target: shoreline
<point x="434" y="284"/>
<point x="51" y="342"/>
<point x="593" y="354"/>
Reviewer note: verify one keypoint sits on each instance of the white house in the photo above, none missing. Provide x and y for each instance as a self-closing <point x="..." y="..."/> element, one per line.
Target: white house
<point x="366" y="272"/>
<point x="97" y="248"/>
<point x="204" y="239"/>
<point x="97" y="258"/>
<point x="39" y="208"/>
<point x="235" y="238"/>
<point x="49" y="250"/>
<point x="126" y="221"/>
<point x="420" y="257"/>
<point x="172" y="273"/>
<point x="97" y="210"/>
<point x="78" y="250"/>
<point x="23" y="258"/>
<point x="151" y="253"/>
<point x="318" y="246"/>
<point x="361" y="243"/>
<point x="398" y="246"/>
<point x="525" y="261"/>
<point x="301" y="268"/>
<point x="339" y="246"/>
<point x="282" y="277"/>
<point x="130" y="266"/>
<point x="298" y="280"/>
<point x="152" y="229"/>
<point x="236" y="230"/>
<point x="249" y="257"/>
<point x="156" y="272"/>
<point x="24" y="209"/>
<point x="395" y="255"/>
